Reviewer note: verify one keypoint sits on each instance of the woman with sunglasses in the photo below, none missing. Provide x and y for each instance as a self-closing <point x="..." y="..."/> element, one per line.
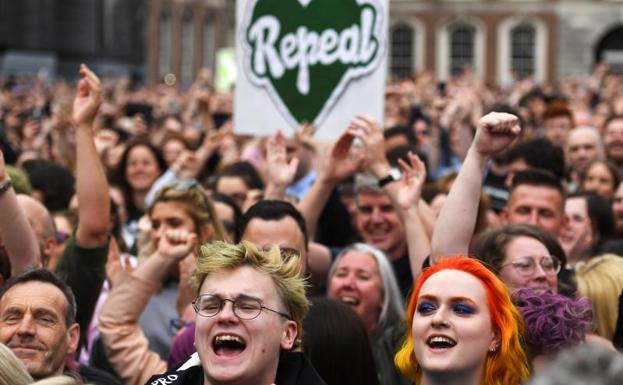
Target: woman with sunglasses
<point x="181" y="217"/>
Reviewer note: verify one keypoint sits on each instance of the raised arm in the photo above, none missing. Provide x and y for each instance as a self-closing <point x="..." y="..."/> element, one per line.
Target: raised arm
<point x="404" y="195"/>
<point x="15" y="231"/>
<point x="188" y="165"/>
<point x="407" y="196"/>
<point x="91" y="185"/>
<point x="83" y="263"/>
<point x="280" y="172"/>
<point x="338" y="164"/>
<point x="457" y="219"/>
<point x="126" y="346"/>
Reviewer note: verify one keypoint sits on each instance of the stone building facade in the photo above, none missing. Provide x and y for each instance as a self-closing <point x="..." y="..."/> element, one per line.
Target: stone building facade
<point x="504" y="39"/>
<point x="146" y="39"/>
<point x="184" y="35"/>
<point x="142" y="39"/>
<point x="57" y="35"/>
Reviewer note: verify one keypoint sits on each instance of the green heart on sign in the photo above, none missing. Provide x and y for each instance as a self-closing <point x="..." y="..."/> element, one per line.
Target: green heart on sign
<point x="305" y="52"/>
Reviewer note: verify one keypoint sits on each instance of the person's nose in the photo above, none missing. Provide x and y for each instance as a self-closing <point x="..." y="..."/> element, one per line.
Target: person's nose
<point x="227" y="314"/>
<point x="539" y="273"/>
<point x="345" y="282"/>
<point x="440" y="317"/>
<point x="351" y="281"/>
<point x="376" y="215"/>
<point x="26" y="326"/>
<point x="534" y="218"/>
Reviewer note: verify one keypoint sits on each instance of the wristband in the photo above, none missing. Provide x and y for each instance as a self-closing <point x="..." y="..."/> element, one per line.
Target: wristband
<point x="5" y="186"/>
<point x="393" y="176"/>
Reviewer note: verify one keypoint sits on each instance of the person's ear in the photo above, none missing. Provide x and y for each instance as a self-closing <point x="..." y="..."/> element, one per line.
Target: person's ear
<point x="495" y="341"/>
<point x="288" y="335"/>
<point x="73" y="338"/>
<point x="49" y="245"/>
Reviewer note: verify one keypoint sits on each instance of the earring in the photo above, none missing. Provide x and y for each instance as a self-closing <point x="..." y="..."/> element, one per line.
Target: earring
<point x="494" y="348"/>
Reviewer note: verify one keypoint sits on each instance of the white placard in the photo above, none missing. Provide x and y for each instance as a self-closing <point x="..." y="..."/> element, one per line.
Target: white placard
<point x="320" y="61"/>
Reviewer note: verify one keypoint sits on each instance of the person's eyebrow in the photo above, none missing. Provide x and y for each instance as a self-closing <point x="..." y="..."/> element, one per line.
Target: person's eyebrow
<point x="463" y="299"/>
<point x="12" y="310"/>
<point x="434" y="298"/>
<point x="247" y="296"/>
<point x="45" y="312"/>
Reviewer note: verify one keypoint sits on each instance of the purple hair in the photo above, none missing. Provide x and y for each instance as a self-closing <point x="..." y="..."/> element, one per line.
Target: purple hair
<point x="183" y="347"/>
<point x="553" y="321"/>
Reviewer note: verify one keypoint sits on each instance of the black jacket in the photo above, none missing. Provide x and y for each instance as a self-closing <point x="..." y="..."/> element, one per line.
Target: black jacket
<point x="293" y="369"/>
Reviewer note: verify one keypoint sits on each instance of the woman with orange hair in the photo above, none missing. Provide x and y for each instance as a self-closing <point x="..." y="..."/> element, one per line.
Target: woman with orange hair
<point x="462" y="328"/>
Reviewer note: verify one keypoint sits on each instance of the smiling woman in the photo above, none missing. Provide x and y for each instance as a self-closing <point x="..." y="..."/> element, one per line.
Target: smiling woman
<point x="140" y="166"/>
<point x="524" y="256"/>
<point x="362" y="278"/>
<point x="462" y="328"/>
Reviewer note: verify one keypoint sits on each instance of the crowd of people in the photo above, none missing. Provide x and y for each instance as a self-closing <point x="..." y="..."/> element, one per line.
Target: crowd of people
<point x="475" y="236"/>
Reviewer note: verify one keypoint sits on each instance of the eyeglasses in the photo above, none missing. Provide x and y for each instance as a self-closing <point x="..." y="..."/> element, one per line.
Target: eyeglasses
<point x="245" y="308"/>
<point x="527" y="265"/>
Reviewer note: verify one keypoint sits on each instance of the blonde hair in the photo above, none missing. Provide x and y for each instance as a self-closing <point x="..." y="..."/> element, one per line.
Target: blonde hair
<point x="601" y="280"/>
<point x="199" y="207"/>
<point x="218" y="256"/>
<point x="12" y="371"/>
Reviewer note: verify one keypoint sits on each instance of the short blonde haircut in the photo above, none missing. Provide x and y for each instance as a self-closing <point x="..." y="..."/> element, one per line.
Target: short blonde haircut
<point x="12" y="371"/>
<point x="218" y="256"/>
<point x="600" y="279"/>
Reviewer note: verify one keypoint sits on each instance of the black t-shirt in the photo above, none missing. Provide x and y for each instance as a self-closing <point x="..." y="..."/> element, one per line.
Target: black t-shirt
<point x="293" y="369"/>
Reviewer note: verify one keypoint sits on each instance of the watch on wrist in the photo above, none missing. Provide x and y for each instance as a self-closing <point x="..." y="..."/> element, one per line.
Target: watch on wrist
<point x="393" y="176"/>
<point x="5" y="186"/>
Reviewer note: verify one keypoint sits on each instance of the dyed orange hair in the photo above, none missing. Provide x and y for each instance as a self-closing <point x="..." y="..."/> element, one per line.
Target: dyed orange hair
<point x="506" y="366"/>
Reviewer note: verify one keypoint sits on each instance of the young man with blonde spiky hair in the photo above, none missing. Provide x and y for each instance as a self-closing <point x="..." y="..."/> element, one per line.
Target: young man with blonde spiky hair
<point x="249" y="308"/>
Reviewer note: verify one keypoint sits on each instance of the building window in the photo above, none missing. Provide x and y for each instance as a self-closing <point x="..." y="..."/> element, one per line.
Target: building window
<point x="402" y="50"/>
<point x="188" y="48"/>
<point x="522" y="50"/>
<point x="462" y="45"/>
<point x="523" y="45"/>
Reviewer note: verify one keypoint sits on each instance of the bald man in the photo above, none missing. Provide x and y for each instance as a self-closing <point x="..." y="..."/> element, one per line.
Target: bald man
<point x="583" y="146"/>
<point x="44" y="228"/>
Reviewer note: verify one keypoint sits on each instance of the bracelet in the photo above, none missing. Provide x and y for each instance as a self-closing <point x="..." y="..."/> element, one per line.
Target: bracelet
<point x="5" y="186"/>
